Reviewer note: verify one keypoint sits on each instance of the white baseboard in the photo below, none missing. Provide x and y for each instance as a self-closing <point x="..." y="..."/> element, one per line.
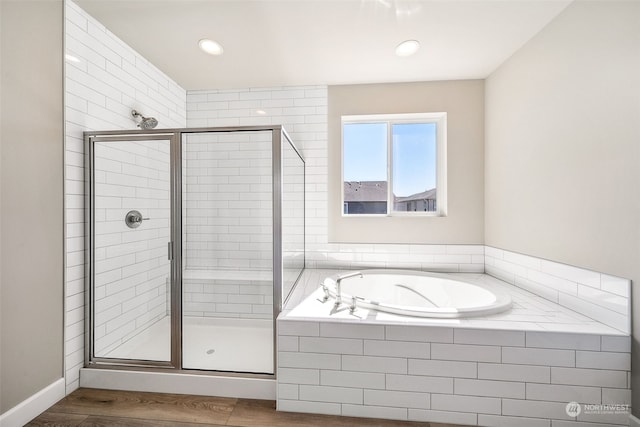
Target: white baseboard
<point x="634" y="421"/>
<point x="33" y="406"/>
<point x="160" y="382"/>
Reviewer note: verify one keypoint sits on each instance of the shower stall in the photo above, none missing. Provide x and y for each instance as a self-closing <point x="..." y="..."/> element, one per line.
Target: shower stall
<point x="195" y="237"/>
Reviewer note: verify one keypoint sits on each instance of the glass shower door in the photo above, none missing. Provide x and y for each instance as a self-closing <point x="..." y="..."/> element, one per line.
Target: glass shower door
<point x="227" y="257"/>
<point x="131" y="234"/>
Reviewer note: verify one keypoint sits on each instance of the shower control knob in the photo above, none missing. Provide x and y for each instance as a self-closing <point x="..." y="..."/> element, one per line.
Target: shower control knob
<point x="133" y="219"/>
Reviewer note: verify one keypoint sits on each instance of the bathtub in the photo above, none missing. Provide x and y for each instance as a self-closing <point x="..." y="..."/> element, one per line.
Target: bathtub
<point x="416" y="293"/>
<point x="500" y="369"/>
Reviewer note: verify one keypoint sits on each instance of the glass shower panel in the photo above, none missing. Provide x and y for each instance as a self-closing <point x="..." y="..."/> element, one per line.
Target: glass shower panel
<point x="293" y="198"/>
<point x="227" y="259"/>
<point x="131" y="230"/>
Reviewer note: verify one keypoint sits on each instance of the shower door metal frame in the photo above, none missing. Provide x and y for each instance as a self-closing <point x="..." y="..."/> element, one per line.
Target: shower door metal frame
<point x="91" y="360"/>
<point x="175" y="138"/>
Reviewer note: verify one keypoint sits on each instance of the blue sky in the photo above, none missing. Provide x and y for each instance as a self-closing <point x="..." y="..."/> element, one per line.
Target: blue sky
<point x="414" y="155"/>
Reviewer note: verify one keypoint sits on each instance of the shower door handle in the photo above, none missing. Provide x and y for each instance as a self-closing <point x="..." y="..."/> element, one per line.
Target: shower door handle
<point x="170" y="251"/>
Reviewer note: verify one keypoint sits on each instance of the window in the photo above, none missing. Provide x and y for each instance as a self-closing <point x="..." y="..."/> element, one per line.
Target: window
<point x="394" y="164"/>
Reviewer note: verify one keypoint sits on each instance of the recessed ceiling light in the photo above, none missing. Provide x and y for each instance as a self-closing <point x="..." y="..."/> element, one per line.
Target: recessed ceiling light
<point x="210" y="47"/>
<point x="261" y="112"/>
<point x="407" y="48"/>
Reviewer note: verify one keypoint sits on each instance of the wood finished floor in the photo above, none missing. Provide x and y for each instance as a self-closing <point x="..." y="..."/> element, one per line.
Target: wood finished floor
<point x="92" y="407"/>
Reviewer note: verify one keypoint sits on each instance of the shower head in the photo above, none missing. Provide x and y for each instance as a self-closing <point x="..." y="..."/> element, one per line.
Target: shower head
<point x="145" y="122"/>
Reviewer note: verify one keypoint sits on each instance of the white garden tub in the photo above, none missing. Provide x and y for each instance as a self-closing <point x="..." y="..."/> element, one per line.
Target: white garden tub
<point x="417" y="293"/>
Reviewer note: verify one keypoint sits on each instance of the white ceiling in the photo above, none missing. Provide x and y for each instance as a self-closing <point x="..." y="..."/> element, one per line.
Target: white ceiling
<point x="296" y="42"/>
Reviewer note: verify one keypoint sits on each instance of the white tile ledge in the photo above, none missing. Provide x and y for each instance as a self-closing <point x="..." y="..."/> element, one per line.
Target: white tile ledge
<point x="220" y="274"/>
<point x="530" y="313"/>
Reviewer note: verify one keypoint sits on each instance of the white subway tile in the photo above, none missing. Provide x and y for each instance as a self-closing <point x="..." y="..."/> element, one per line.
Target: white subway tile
<point x="574" y="274"/>
<point x="374" y="364"/>
<point x="616" y="396"/>
<point x="604" y="299"/>
<point x="443" y="368"/>
<point x="563" y="393"/>
<point x="538" y="356"/>
<point x="330" y="345"/>
<point x="419" y="384"/>
<point x="365" y="380"/>
<point x="308" y="360"/>
<point x="489" y="388"/>
<point x="554" y="282"/>
<point x="505" y="372"/>
<point x="494" y="252"/>
<point x="603" y="360"/>
<point x="561" y="340"/>
<point x="396" y="349"/>
<point x="330" y="394"/>
<point x="287" y="343"/>
<point x="526" y="261"/>
<point x="309" y="407"/>
<point x="301" y="328"/>
<point x="596" y="312"/>
<point x="589" y="377"/>
<point x="419" y="333"/>
<point x="532" y="408"/>
<point x="498" y="273"/>
<point x="465" y="249"/>
<point x="510" y="268"/>
<point x="298" y="376"/>
<point x="616" y="285"/>
<point x="455" y="403"/>
<point x="367" y="411"/>
<point x="74" y="15"/>
<point x="464" y="352"/>
<point x="350" y="330"/>
<point x="288" y="391"/>
<point x="488" y="337"/>
<point x="616" y="343"/>
<point x="400" y="399"/>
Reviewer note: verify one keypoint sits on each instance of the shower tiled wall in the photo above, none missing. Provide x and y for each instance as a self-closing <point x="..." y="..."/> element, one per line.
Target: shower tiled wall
<point x="227" y="224"/>
<point x="228" y="203"/>
<point x="104" y="80"/>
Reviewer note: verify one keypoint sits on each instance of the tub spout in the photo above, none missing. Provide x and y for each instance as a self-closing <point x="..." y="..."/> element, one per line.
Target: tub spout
<point x="339" y="279"/>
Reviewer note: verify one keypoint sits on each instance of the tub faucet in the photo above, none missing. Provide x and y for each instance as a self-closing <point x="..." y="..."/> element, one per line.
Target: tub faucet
<point x="340" y="279"/>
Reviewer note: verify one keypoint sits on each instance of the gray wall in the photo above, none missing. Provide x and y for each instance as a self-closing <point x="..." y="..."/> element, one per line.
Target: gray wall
<point x="31" y="198"/>
<point x="563" y="145"/>
<point x="463" y="101"/>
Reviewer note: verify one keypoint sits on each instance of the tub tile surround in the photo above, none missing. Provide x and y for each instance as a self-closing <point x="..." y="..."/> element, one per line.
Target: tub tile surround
<point x="438" y="258"/>
<point x="596" y="295"/>
<point x="521" y="367"/>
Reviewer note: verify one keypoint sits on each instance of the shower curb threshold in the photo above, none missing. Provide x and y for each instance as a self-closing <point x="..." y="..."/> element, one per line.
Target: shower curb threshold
<point x="179" y="383"/>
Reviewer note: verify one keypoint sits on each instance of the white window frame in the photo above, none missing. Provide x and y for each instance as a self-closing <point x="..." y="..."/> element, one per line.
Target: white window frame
<point x="440" y="120"/>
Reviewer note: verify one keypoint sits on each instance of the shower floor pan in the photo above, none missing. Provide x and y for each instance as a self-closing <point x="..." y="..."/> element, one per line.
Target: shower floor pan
<point x="233" y="345"/>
